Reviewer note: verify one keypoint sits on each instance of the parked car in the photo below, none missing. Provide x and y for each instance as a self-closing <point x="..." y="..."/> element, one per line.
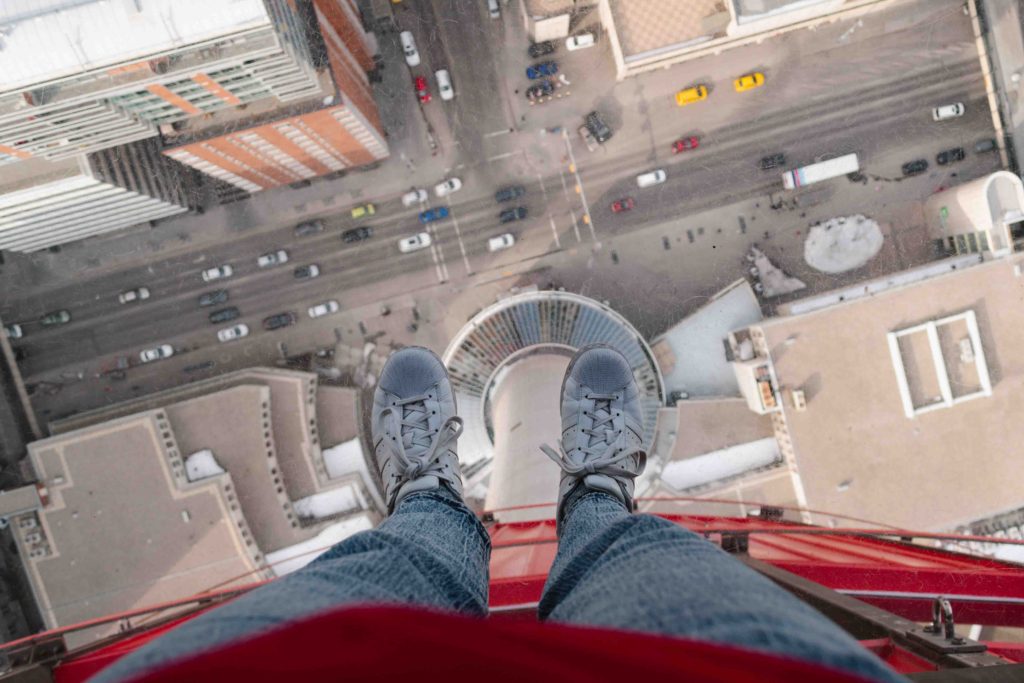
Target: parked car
<point x="915" y="167"/>
<point x="691" y="95"/>
<point x="412" y="55"/>
<point x="273" y="258"/>
<point x="772" y="161"/>
<point x="279" y="320"/>
<point x="422" y="92"/>
<point x="988" y="145"/>
<point x="950" y="155"/>
<point x="416" y="242"/>
<point x="541" y="89"/>
<point x="509" y="193"/>
<point x="655" y="177"/>
<point x="541" y="70"/>
<point x="55" y="318"/>
<point x="512" y="215"/>
<point x="434" y="214"/>
<point x="232" y="333"/>
<point x="137" y="294"/>
<point x="218" y="296"/>
<point x="307" y="228"/>
<point x="948" y="111"/>
<point x="367" y="209"/>
<point x="225" y="314"/>
<point x="325" y="308"/>
<point x="501" y="242"/>
<point x="413" y="197"/>
<point x="217" y="273"/>
<point x="357" y="234"/>
<point x="596" y="125"/>
<point x="622" y="205"/>
<point x="588" y="138"/>
<point x="447" y="186"/>
<point x="444" y="84"/>
<point x="493" y="9"/>
<point x="307" y="272"/>
<point x="156" y="353"/>
<point x="14" y="331"/>
<point x="540" y="49"/>
<point x="580" y="41"/>
<point x="204" y="365"/>
<point x="748" y="81"/>
<point x="683" y="144"/>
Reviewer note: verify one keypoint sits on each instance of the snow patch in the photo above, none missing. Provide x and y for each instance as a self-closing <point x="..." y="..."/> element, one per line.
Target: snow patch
<point x="842" y="244"/>
<point x="719" y="465"/>
<point x="328" y="503"/>
<point x="287" y="560"/>
<point x="202" y="465"/>
<point x="345" y="458"/>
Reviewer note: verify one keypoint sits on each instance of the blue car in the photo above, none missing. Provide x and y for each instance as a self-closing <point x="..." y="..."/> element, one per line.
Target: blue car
<point x="541" y="70"/>
<point x="435" y="214"/>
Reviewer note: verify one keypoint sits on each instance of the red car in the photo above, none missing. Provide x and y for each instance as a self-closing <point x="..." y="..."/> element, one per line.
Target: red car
<point x="421" y="89"/>
<point x="683" y="144"/>
<point x="624" y="204"/>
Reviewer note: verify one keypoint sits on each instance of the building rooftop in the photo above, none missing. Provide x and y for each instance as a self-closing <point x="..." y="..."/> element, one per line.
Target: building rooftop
<point x="857" y="450"/>
<point x="648" y="27"/>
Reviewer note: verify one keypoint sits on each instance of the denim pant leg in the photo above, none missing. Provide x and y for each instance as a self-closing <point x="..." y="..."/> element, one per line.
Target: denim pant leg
<point x="432" y="552"/>
<point x="645" y="573"/>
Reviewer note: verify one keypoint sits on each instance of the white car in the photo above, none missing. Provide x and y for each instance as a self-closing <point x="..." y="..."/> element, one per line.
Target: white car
<point x="579" y="42"/>
<point x="449" y="185"/>
<point x="948" y="111"/>
<point x="14" y="331"/>
<point x="323" y="309"/>
<point x="501" y="242"/>
<point x="234" y="332"/>
<point x="412" y="55"/>
<point x="655" y="177"/>
<point x="139" y="294"/>
<point x="274" y="258"/>
<point x="414" y="197"/>
<point x="217" y="273"/>
<point x="162" y="351"/>
<point x="444" y="84"/>
<point x="416" y="242"/>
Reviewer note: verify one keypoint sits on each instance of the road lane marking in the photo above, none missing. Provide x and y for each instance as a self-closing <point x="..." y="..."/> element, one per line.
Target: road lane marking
<point x="458" y="234"/>
<point x="565" y="189"/>
<point x="579" y="184"/>
<point x="554" y="232"/>
<point x="496" y="133"/>
<point x="498" y="157"/>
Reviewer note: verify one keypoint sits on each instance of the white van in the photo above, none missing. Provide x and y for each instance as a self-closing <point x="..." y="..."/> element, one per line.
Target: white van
<point x="412" y="55"/>
<point x="650" y="178"/>
<point x="492" y="7"/>
<point x="580" y="41"/>
<point x="444" y="84"/>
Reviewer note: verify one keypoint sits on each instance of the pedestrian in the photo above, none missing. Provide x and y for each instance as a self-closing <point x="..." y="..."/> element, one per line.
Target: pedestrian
<point x="655" y="598"/>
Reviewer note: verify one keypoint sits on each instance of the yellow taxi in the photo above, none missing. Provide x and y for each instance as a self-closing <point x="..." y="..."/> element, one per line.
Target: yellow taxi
<point x="749" y="81"/>
<point x="691" y="95"/>
<point x="364" y="210"/>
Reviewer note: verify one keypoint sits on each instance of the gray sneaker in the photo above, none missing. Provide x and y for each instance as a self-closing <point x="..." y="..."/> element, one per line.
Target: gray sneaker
<point x="414" y="426"/>
<point x="602" y="426"/>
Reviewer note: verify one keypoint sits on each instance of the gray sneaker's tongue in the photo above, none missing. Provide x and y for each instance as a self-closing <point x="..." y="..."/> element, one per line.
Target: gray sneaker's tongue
<point x="416" y="439"/>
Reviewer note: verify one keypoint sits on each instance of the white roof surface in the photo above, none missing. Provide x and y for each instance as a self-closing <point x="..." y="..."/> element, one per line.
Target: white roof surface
<point x="43" y="40"/>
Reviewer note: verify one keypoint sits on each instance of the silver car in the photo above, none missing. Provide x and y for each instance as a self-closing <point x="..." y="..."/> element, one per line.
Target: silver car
<point x="217" y="273"/>
<point x="137" y="294"/>
<point x="274" y="258"/>
<point x="156" y="353"/>
<point x="233" y="332"/>
<point x="325" y="308"/>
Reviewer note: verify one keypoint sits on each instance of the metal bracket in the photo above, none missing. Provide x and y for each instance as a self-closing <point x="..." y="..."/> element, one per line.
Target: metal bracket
<point x="735" y="542"/>
<point x="941" y="635"/>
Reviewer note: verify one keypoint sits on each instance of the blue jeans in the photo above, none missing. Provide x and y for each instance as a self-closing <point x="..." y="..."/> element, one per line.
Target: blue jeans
<point x="613" y="569"/>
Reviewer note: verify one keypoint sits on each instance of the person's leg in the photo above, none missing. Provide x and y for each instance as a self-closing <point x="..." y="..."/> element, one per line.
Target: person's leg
<point x="432" y="551"/>
<point x="644" y="573"/>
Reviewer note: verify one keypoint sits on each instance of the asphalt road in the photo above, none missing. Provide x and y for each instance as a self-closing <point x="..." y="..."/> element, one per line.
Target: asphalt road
<point x="823" y="96"/>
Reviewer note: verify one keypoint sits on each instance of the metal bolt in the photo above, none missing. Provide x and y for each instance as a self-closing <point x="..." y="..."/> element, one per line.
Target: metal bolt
<point x="959" y="640"/>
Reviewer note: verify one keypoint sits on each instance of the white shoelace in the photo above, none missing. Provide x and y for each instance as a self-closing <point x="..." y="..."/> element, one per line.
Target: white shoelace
<point x="606" y="450"/>
<point x="408" y="418"/>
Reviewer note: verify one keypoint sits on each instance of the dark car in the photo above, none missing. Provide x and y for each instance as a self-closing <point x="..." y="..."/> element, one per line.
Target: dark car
<point x="541" y="70"/>
<point x="205" y="365"/>
<point x="987" y="145"/>
<point x="279" y="320"/>
<point x="224" y="315"/>
<point x="357" y="234"/>
<point x="56" y="318"/>
<point x="307" y="272"/>
<point x="771" y="161"/>
<point x="915" y="167"/>
<point x="624" y="204"/>
<point x="435" y="214"/>
<point x="540" y="49"/>
<point x="307" y="228"/>
<point x="950" y="155"/>
<point x="506" y="194"/>
<point x="511" y="215"/>
<point x="597" y="126"/>
<point x="542" y="89"/>
<point x="213" y="298"/>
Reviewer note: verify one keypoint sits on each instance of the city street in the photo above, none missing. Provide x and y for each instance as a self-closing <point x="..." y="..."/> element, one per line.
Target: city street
<point x="864" y="86"/>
